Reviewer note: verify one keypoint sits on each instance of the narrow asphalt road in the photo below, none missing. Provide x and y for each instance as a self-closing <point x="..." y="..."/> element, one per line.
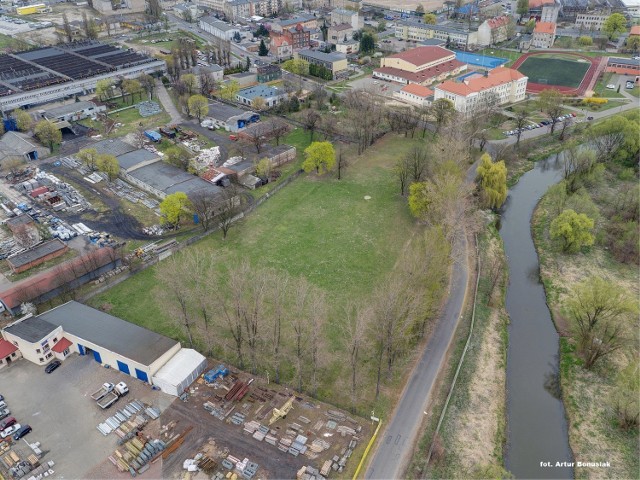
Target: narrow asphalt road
<point x="165" y="100"/>
<point x="397" y="440"/>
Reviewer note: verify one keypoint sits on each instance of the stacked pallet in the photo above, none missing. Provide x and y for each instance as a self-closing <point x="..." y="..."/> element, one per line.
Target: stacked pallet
<point x="136" y="454"/>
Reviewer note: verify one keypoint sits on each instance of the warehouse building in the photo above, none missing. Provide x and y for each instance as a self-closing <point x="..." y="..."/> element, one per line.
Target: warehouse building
<point x="35" y="256"/>
<point x="74" y="327"/>
<point x="48" y="74"/>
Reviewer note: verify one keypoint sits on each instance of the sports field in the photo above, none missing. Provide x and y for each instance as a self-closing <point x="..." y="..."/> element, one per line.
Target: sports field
<point x="554" y="71"/>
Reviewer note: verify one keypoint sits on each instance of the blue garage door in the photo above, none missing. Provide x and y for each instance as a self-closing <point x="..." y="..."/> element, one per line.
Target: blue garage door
<point x="97" y="357"/>
<point x="81" y="349"/>
<point x="142" y="375"/>
<point x="123" y="367"/>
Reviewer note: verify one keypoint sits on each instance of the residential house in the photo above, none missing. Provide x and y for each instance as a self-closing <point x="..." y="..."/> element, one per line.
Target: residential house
<point x="349" y="47"/>
<point x="271" y="95"/>
<point x="415" y="94"/>
<point x="298" y="36"/>
<point x="342" y="15"/>
<point x="336" y="62"/>
<point x="218" y="28"/>
<point x="524" y="42"/>
<point x="306" y="20"/>
<point x="544" y="34"/>
<point x="215" y="71"/>
<point x="186" y="11"/>
<point x="216" y="6"/>
<point x="494" y="30"/>
<point x="496" y="87"/>
<point x="421" y="65"/>
<point x="280" y="47"/>
<point x="339" y="33"/>
<point x="266" y="72"/>
<point x="245" y="9"/>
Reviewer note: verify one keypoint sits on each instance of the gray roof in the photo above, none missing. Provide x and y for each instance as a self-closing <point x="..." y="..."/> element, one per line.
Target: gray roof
<point x="296" y="20"/>
<point x="624" y="61"/>
<point x="324" y="57"/>
<point x="432" y="42"/>
<point x="263" y="91"/>
<point x="222" y="111"/>
<point x="109" y="332"/>
<point x="70" y="108"/>
<point x="135" y="157"/>
<point x="219" y="24"/>
<point x="112" y="147"/>
<point x="23" y="219"/>
<point x="17" y="142"/>
<point x="31" y="329"/>
<point x="170" y="179"/>
<point x="39" y="251"/>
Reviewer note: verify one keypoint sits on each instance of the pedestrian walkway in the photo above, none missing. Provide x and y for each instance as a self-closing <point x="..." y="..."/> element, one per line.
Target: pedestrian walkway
<point x="165" y="100"/>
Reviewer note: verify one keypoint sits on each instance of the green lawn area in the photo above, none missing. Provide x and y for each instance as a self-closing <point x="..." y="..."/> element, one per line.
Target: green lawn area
<point x="635" y="92"/>
<point x="554" y="71"/>
<point x="319" y="228"/>
<point x="599" y="108"/>
<point x="131" y="120"/>
<point x="6" y="41"/>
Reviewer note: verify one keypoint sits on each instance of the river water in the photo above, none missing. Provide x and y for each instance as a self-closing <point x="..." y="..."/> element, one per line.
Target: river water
<point x="536" y="422"/>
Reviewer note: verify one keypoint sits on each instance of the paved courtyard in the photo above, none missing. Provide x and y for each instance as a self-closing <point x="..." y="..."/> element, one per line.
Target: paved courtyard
<point x="63" y="416"/>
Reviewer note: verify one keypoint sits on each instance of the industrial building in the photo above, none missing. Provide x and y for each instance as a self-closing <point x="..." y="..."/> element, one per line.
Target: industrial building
<point x="48" y="74"/>
<point x="35" y="256"/>
<point x="133" y="350"/>
<point x="22" y="146"/>
<point x="230" y="118"/>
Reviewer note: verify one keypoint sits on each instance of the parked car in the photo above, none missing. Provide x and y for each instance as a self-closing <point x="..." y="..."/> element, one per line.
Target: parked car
<point x="589" y="118"/>
<point x="1" y="398"/>
<point x="7" y="422"/>
<point x="630" y="85"/>
<point x="21" y="432"/>
<point x="233" y="137"/>
<point x="611" y="86"/>
<point x="52" y="366"/>
<point x="573" y="115"/>
<point x="3" y="404"/>
<point x="10" y="430"/>
<point x="4" y="413"/>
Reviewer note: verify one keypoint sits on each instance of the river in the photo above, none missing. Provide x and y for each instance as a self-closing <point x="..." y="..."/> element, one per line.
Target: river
<point x="537" y="433"/>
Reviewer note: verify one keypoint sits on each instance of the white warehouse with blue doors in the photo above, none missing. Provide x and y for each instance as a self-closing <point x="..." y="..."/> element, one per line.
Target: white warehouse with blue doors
<point x="74" y="327"/>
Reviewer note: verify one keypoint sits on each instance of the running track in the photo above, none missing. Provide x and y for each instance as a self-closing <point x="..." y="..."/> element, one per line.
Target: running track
<point x="597" y="64"/>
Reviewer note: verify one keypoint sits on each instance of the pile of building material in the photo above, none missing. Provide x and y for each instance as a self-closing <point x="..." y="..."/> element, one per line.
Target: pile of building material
<point x="148" y="108"/>
<point x="309" y="473"/>
<point x="238" y="391"/>
<point x="129" y="419"/>
<point x="135" y="455"/>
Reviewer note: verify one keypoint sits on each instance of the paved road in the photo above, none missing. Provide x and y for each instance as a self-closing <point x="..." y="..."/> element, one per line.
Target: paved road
<point x="397" y="441"/>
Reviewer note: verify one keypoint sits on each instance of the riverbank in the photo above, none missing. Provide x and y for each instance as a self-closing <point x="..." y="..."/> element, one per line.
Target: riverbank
<point x="594" y="435"/>
<point x="472" y="435"/>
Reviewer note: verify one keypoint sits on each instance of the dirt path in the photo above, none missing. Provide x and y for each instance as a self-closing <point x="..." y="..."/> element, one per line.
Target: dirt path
<point x="165" y="100"/>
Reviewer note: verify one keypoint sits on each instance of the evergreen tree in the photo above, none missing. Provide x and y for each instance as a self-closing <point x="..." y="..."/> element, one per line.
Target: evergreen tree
<point x="263" y="50"/>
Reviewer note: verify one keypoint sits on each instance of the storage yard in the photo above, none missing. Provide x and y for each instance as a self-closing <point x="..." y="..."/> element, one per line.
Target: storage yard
<point x="238" y="426"/>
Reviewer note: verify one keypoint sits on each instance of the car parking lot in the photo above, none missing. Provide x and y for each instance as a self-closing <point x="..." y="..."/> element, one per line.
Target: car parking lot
<point x="63" y="416"/>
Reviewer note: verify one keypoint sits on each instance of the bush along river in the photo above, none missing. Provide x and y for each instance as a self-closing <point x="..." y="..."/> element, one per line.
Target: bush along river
<point x="537" y="436"/>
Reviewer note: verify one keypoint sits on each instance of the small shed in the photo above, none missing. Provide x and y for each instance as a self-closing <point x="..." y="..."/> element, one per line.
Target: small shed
<point x="180" y="372"/>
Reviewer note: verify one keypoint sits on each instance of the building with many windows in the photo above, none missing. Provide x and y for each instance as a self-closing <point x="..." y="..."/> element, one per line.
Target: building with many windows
<point x="497" y="87"/>
<point x="544" y="34"/>
<point x="421" y="65"/>
<point x="623" y="66"/>
<point x="279" y="46"/>
<point x="351" y="17"/>
<point x="415" y="95"/>
<point x="271" y="95"/>
<point x="591" y="21"/>
<point x="298" y="36"/>
<point x="245" y="9"/>
<point x="450" y="34"/>
<point x="495" y="30"/>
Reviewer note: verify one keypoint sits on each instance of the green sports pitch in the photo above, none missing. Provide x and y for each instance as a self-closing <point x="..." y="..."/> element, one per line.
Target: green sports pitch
<point x="554" y="71"/>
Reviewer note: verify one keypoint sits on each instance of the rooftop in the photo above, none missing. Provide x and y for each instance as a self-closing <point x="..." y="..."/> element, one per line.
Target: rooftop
<point x="295" y="20"/>
<point x="263" y="91"/>
<point x="341" y="27"/>
<point x="545" y="27"/>
<point x="222" y="111"/>
<point x="635" y="30"/>
<point x="344" y="11"/>
<point x="422" y="55"/>
<point x="6" y="348"/>
<point x="112" y="333"/>
<point x="324" y="57"/>
<point x="31" y="329"/>
<point x="18" y="142"/>
<point x="23" y="219"/>
<point x="217" y="23"/>
<point x="423" y="75"/>
<point x="112" y="147"/>
<point x="623" y="61"/>
<point x="497" y="76"/>
<point x="418" y="90"/>
<point x="169" y="179"/>
<point x="39" y="251"/>
<point x="131" y="159"/>
<point x="69" y="108"/>
<point x="498" y="21"/>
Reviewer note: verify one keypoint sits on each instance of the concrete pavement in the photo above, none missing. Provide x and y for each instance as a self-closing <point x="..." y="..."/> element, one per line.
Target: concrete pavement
<point x="397" y="441"/>
<point x="164" y="98"/>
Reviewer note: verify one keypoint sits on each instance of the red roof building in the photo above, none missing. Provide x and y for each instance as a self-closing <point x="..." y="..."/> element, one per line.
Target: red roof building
<point x="423" y="77"/>
<point x="8" y="352"/>
<point x="61" y="346"/>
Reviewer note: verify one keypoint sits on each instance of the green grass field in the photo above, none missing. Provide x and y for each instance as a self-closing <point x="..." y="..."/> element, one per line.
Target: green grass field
<point x="554" y="71"/>
<point x="319" y="228"/>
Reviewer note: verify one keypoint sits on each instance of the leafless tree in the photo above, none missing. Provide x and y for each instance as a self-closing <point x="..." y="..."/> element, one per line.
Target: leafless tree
<point x="566" y="123"/>
<point x="354" y="335"/>
<point x="417" y="158"/>
<point x="139" y="137"/>
<point x="280" y="285"/>
<point x="310" y="120"/>
<point x="365" y="115"/>
<point x="299" y="324"/>
<point x="607" y="145"/>
<point x="278" y="128"/>
<point x="328" y="127"/>
<point x="176" y="298"/>
<point x="521" y="120"/>
<point x="341" y="162"/>
<point x="66" y="26"/>
<point x="205" y="205"/>
<point x="228" y="209"/>
<point x="402" y="171"/>
<point x="317" y="320"/>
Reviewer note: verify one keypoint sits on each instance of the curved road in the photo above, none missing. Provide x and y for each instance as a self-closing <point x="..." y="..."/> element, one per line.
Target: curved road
<point x="396" y="443"/>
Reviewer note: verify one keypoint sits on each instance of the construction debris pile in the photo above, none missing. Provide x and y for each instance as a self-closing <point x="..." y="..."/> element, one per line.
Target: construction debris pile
<point x="16" y="461"/>
<point x="206" y="158"/>
<point x="132" y="418"/>
<point x="49" y="191"/>
<point x="136" y="454"/>
<point x="126" y="191"/>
